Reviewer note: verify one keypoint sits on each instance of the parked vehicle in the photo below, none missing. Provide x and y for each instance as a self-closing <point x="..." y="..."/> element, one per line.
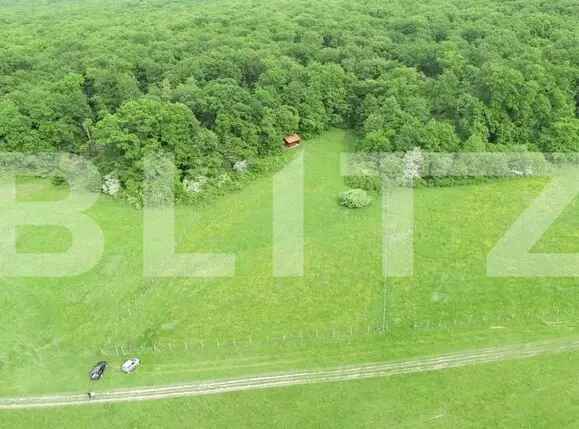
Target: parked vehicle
<point x="131" y="365"/>
<point x="97" y="372"/>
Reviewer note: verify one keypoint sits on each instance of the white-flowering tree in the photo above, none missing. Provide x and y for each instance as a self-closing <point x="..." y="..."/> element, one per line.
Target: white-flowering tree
<point x="241" y="167"/>
<point x="111" y="185"/>
<point x="195" y="186"/>
<point x="413" y="161"/>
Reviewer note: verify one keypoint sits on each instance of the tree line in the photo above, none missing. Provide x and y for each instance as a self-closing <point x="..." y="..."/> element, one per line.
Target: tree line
<point x="221" y="82"/>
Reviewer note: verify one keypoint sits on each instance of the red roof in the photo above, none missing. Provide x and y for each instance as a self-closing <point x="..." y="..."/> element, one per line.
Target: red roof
<point x="293" y="139"/>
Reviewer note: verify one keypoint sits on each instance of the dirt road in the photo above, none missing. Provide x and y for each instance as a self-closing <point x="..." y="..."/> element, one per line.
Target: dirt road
<point x="338" y="374"/>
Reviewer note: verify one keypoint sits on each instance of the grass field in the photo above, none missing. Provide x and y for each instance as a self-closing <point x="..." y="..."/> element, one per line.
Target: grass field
<point x="539" y="393"/>
<point x="59" y="327"/>
<point x="190" y="329"/>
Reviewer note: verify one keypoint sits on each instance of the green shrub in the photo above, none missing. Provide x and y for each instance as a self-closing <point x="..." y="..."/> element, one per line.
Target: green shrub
<point x="355" y="199"/>
<point x="368" y="183"/>
<point x="58" y="180"/>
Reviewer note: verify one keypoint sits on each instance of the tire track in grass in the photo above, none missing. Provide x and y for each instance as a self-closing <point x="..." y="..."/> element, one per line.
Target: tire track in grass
<point x="338" y="374"/>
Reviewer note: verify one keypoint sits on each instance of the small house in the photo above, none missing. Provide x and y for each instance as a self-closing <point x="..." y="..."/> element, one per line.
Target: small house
<point x="292" y="141"/>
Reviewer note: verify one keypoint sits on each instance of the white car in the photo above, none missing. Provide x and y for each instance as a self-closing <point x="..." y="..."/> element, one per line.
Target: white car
<point x="131" y="365"/>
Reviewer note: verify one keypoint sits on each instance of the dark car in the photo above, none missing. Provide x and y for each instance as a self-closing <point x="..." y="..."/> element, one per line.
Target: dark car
<point x="97" y="372"/>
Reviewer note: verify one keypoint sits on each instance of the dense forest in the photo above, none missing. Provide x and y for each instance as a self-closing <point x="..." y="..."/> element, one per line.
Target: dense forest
<point x="220" y="83"/>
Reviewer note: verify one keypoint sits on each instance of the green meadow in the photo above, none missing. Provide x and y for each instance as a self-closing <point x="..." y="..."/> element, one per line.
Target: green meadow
<point x="189" y="328"/>
<point x="536" y="393"/>
<point x="342" y="311"/>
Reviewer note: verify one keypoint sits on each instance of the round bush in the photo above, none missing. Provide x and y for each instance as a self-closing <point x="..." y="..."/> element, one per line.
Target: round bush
<point x="355" y="199"/>
<point x="58" y="180"/>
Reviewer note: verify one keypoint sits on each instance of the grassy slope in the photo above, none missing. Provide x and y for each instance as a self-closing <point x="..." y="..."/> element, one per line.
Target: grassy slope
<point x="254" y="322"/>
<point x="539" y="393"/>
<point x="60" y="326"/>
